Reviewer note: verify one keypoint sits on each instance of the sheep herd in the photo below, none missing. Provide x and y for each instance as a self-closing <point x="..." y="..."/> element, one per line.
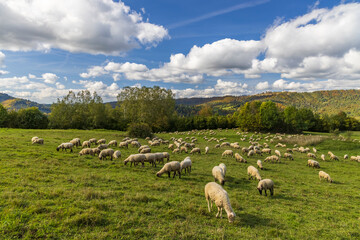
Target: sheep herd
<point x="214" y="192"/>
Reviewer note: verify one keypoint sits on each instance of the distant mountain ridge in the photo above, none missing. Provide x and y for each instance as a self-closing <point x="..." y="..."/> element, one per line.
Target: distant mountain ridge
<point x="12" y="103"/>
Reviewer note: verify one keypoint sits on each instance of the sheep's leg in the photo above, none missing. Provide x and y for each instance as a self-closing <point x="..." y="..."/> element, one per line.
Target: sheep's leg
<point x="190" y="169"/>
<point x="179" y="174"/>
<point x="71" y="150"/>
<point x="207" y="199"/>
<point x="271" y="191"/>
<point x="265" y="192"/>
<point x="169" y="174"/>
<point x="174" y="174"/>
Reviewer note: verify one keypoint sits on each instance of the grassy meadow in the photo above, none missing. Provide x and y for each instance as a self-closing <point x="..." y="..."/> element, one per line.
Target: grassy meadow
<point x="45" y="194"/>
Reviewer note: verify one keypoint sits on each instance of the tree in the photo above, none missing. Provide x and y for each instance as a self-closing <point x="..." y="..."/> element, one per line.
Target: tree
<point x="206" y="111"/>
<point x="32" y="118"/>
<point x="269" y="115"/>
<point x="249" y="116"/>
<point x="3" y="116"/>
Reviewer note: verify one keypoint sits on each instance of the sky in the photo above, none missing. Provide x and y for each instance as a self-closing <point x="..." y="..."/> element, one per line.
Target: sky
<point x="200" y="48"/>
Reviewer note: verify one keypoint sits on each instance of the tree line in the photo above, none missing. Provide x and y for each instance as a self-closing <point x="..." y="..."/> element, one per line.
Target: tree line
<point x="155" y="108"/>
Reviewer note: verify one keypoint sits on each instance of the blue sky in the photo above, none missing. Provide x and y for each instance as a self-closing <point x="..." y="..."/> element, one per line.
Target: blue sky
<point x="196" y="48"/>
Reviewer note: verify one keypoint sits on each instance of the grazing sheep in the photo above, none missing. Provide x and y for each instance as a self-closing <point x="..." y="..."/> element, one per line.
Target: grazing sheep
<point x="354" y="158"/>
<point x="76" y="142"/>
<point x="101" y="141"/>
<point x="176" y="150"/>
<point x="135" y="158"/>
<point x="186" y="164"/>
<point x="206" y="150"/>
<point x="239" y="158"/>
<point x="150" y="158"/>
<point x="145" y="150"/>
<point x="183" y="149"/>
<point x="169" y="167"/>
<point x="195" y="150"/>
<point x="215" y="193"/>
<point x="223" y="167"/>
<point x="113" y="143"/>
<point x="135" y="143"/>
<point x="244" y="150"/>
<point x="123" y="144"/>
<point x="117" y="154"/>
<point x="96" y="151"/>
<point x="106" y="153"/>
<point x="259" y="163"/>
<point x="322" y="157"/>
<point x="159" y="157"/>
<point x="86" y="144"/>
<point x="251" y="153"/>
<point x="324" y="175"/>
<point x="65" y="146"/>
<point x="171" y="146"/>
<point x="266" y="184"/>
<point x="38" y="141"/>
<point x="102" y="146"/>
<point x="253" y="172"/>
<point x="227" y="153"/>
<point x="333" y="157"/>
<point x="86" y="151"/>
<point x="346" y="156"/>
<point x="33" y="139"/>
<point x="166" y="155"/>
<point x="217" y="146"/>
<point x="272" y="158"/>
<point x="288" y="155"/>
<point x="218" y="174"/>
<point x="289" y="150"/>
<point x="314" y="150"/>
<point x="313" y="163"/>
<point x="93" y="140"/>
<point x="311" y="155"/>
<point x="277" y="152"/>
<point x="142" y="147"/>
<point x="266" y="150"/>
<point x="225" y="144"/>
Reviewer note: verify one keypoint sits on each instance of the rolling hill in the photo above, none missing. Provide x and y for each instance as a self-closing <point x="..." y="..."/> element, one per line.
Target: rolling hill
<point x="12" y="103"/>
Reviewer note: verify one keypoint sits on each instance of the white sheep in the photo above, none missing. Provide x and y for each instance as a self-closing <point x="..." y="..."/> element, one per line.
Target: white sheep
<point x="266" y="184"/>
<point x="346" y="156"/>
<point x="76" y="142"/>
<point x="117" y="154"/>
<point x="145" y="150"/>
<point x="251" y="153"/>
<point x="217" y="146"/>
<point x="322" y="157"/>
<point x="93" y="140"/>
<point x="253" y="172"/>
<point x="101" y="141"/>
<point x="123" y="144"/>
<point x="218" y="174"/>
<point x="186" y="164"/>
<point x="288" y="155"/>
<point x="313" y="163"/>
<point x="277" y="152"/>
<point x="106" y="153"/>
<point x="176" y="150"/>
<point x="195" y="150"/>
<point x="169" y="167"/>
<point x="183" y="149"/>
<point x="314" y="150"/>
<point x="96" y="151"/>
<point x="167" y="156"/>
<point x="239" y="158"/>
<point x="206" y="150"/>
<point x="334" y="157"/>
<point x="135" y="158"/>
<point x="324" y="175"/>
<point x="266" y="150"/>
<point x="259" y="163"/>
<point x="159" y="157"/>
<point x="113" y="143"/>
<point x="33" y="139"/>
<point x="150" y="158"/>
<point x="86" y="151"/>
<point x="102" y="146"/>
<point x="215" y="193"/>
<point x="65" y="146"/>
<point x="86" y="144"/>
<point x="38" y="141"/>
<point x="223" y="167"/>
<point x="227" y="153"/>
<point x="311" y="155"/>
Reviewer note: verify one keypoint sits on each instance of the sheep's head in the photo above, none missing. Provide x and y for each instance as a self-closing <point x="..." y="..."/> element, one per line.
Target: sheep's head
<point x="231" y="217"/>
<point x="158" y="174"/>
<point x="57" y="149"/>
<point x="260" y="190"/>
<point x="222" y="182"/>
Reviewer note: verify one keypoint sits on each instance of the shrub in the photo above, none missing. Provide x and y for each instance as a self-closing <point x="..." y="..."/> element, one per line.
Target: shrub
<point x="141" y="130"/>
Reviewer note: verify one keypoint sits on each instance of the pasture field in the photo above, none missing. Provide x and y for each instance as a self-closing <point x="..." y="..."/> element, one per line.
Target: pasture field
<point x="45" y="194"/>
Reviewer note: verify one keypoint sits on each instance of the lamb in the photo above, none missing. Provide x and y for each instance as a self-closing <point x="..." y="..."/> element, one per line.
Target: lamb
<point x="65" y="146"/>
<point x="322" y="157"/>
<point x="217" y="146"/>
<point x="171" y="146"/>
<point x="176" y="150"/>
<point x="215" y="193"/>
<point x="239" y="158"/>
<point x="346" y="156"/>
<point x="206" y="150"/>
<point x="76" y="142"/>
<point x="244" y="150"/>
<point x="101" y="141"/>
<point x="277" y="152"/>
<point x="251" y="153"/>
<point x="223" y="167"/>
<point x="259" y="163"/>
<point x="123" y="144"/>
<point x="183" y="149"/>
<point x="186" y="164"/>
<point x="333" y="157"/>
<point x="227" y="153"/>
<point x="313" y="163"/>
<point x="311" y="155"/>
<point x="266" y="184"/>
<point x="324" y="175"/>
<point x="117" y="154"/>
<point x="86" y="151"/>
<point x="38" y="141"/>
<point x="218" y="174"/>
<point x="113" y="143"/>
<point x="135" y="158"/>
<point x="169" y="167"/>
<point x="195" y="150"/>
<point x="314" y="150"/>
<point x="225" y="144"/>
<point x="289" y="156"/>
<point x="86" y="144"/>
<point x="106" y="153"/>
<point x="253" y="172"/>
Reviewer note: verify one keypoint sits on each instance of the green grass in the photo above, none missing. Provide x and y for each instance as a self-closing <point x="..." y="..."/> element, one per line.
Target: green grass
<point x="47" y="194"/>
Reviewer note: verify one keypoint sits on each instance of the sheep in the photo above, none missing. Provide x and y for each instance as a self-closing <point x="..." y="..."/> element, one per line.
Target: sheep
<point x="314" y="150"/>
<point x="176" y="150"/>
<point x="239" y="158"/>
<point x="333" y="157"/>
<point x="266" y="184"/>
<point x="253" y="172"/>
<point x="38" y="141"/>
<point x="251" y="153"/>
<point x="93" y="140"/>
<point x="311" y="155"/>
<point x="259" y="163"/>
<point x="227" y="153"/>
<point x="169" y="167"/>
<point x="86" y="144"/>
<point x="150" y="158"/>
<point x="217" y="146"/>
<point x="183" y="149"/>
<point x="289" y="156"/>
<point x="346" y="156"/>
<point x="117" y="154"/>
<point x="244" y="150"/>
<point x="218" y="174"/>
<point x="195" y="150"/>
<point x="223" y="167"/>
<point x="135" y="143"/>
<point x="206" y="150"/>
<point x="86" y="151"/>
<point x="142" y="147"/>
<point x="354" y="158"/>
<point x="76" y="142"/>
<point x="324" y="175"/>
<point x="123" y="144"/>
<point x="101" y="141"/>
<point x="113" y="143"/>
<point x="102" y="146"/>
<point x="186" y="164"/>
<point x="266" y="150"/>
<point x="277" y="152"/>
<point x="289" y="150"/>
<point x="145" y="150"/>
<point x="225" y="144"/>
<point x="135" y="158"/>
<point x="322" y="157"/>
<point x="105" y="153"/>
<point x="96" y="151"/>
<point x="65" y="146"/>
<point x="272" y="158"/>
<point x="167" y="156"/>
<point x="171" y="146"/>
<point x="215" y="193"/>
<point x="313" y="163"/>
<point x="33" y="139"/>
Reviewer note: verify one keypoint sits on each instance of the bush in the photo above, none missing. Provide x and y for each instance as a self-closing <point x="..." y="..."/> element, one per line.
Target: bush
<point x="140" y="130"/>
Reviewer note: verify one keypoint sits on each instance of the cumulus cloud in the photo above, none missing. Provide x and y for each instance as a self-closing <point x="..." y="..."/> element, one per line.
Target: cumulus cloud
<point x="50" y="78"/>
<point x="96" y="27"/>
<point x="3" y="72"/>
<point x="2" y="58"/>
<point x="262" y="86"/>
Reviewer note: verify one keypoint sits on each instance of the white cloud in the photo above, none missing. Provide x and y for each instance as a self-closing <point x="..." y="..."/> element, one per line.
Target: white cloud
<point x="96" y="27"/>
<point x="31" y="76"/>
<point x="262" y="86"/>
<point x="60" y="86"/>
<point x="50" y="78"/>
<point x="2" y="58"/>
<point x="3" y="72"/>
<point x="94" y="71"/>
